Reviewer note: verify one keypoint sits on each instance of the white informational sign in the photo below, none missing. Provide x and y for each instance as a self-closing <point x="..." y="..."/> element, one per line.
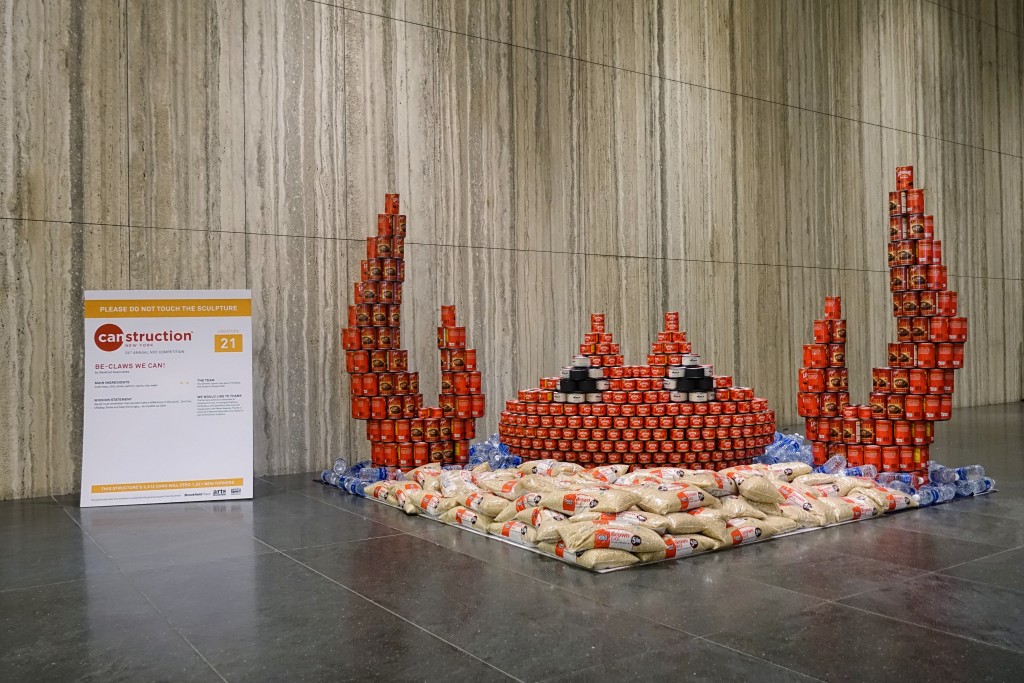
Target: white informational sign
<point x="168" y="397"/>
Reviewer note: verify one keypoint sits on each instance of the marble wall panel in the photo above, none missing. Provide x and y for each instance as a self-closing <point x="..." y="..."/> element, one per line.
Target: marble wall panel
<point x="45" y="268"/>
<point x="63" y="144"/>
<point x="186" y="259"/>
<point x="186" y="114"/>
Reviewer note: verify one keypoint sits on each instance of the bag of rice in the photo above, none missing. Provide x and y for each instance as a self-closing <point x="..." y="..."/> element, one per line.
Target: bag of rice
<point x="607" y="473"/>
<point x="714" y="483"/>
<point x="378" y="490"/>
<point x="467" y="518"/>
<point x="767" y="508"/>
<point x="551" y="468"/>
<point x="779" y="524"/>
<point x="509" y="489"/>
<point x="536" y="516"/>
<point x="547" y="530"/>
<point x="486" y="504"/>
<point x="539" y="483"/>
<point x="596" y="501"/>
<point x="737" y="506"/>
<point x="787" y="471"/>
<point x="760" y="489"/>
<point x="889" y="500"/>
<point x="678" y="546"/>
<point x="638" y="478"/>
<point x="847" y="484"/>
<point x="605" y="558"/>
<point x="402" y="488"/>
<point x="432" y="469"/>
<point x="864" y="507"/>
<point x="586" y="535"/>
<point x="805" y="517"/>
<point x="523" y="502"/>
<point x="517" y="532"/>
<point x="838" y="510"/>
<point x="697" y="521"/>
<point x="639" y="518"/>
<point x="667" y="473"/>
<point x="427" y="503"/>
<point x="746" y="530"/>
<point x="675" y="497"/>
<point x="832" y="490"/>
<point x="814" y="479"/>
<point x="456" y="480"/>
<point x="482" y="467"/>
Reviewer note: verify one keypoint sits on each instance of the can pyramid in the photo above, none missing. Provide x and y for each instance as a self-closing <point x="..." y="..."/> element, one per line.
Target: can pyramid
<point x="402" y="432"/>
<point x="894" y="430"/>
<point x="672" y="410"/>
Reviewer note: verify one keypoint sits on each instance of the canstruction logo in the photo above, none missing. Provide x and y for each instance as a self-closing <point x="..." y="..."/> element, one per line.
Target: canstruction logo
<point x="110" y="337"/>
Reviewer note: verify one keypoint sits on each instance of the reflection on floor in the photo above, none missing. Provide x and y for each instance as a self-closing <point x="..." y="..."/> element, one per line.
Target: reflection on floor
<point x="306" y="582"/>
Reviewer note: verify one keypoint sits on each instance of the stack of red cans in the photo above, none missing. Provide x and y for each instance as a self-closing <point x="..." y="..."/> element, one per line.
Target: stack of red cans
<point x="402" y="432"/>
<point x="894" y="430"/>
<point x="601" y="411"/>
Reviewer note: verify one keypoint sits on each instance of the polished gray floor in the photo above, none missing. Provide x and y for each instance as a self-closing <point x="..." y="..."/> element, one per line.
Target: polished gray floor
<point x="307" y="583"/>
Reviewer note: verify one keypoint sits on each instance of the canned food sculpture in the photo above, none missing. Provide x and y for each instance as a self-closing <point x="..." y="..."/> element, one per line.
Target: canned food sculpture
<point x="385" y="393"/>
<point x="915" y="389"/>
<point x="674" y="409"/>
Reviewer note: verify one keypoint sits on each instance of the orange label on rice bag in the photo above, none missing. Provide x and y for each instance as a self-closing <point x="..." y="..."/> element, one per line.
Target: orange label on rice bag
<point x="744" y="534"/>
<point x="620" y="539"/>
<point x="574" y="502"/>
<point x="529" y="500"/>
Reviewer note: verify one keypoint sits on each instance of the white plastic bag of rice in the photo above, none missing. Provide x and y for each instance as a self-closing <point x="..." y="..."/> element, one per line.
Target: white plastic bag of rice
<point x="634" y="539"/>
<point x="698" y="521"/>
<point x="523" y="502"/>
<point x="503" y="487"/>
<point x="536" y="516"/>
<point x="832" y="490"/>
<point x="667" y="473"/>
<point x="787" y="471"/>
<point x="738" y="506"/>
<point x="468" y="518"/>
<point x="675" y="497"/>
<point x="517" y="532"/>
<point x="814" y="479"/>
<point x="779" y="524"/>
<point x="606" y="473"/>
<point x="805" y="517"/>
<point x="615" y="500"/>
<point x="551" y="468"/>
<point x="638" y="478"/>
<point x="650" y="520"/>
<point x="605" y="558"/>
<point x="679" y="546"/>
<point x="847" y="484"/>
<point x="432" y="469"/>
<point x="378" y="490"/>
<point x="889" y="500"/>
<point x="767" y="508"/>
<point x="485" y="503"/>
<point x="838" y="510"/>
<point x="714" y="483"/>
<point x="456" y="480"/>
<point x="547" y="530"/>
<point x="761" y="489"/>
<point x="747" y="530"/>
<point x="540" y="483"/>
<point x="403" y="488"/>
<point x="864" y="506"/>
<point x="430" y="503"/>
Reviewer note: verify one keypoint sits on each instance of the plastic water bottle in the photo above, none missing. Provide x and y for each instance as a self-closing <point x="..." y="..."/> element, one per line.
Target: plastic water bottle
<point x="947" y="492"/>
<point x="986" y="484"/>
<point x="372" y="474"/>
<point x="324" y="476"/>
<point x="898" y="485"/>
<point x="938" y="474"/>
<point x="927" y="495"/>
<point x="340" y="466"/>
<point x="832" y="466"/>
<point x="867" y="471"/>
<point x="907" y="478"/>
<point x="971" y="472"/>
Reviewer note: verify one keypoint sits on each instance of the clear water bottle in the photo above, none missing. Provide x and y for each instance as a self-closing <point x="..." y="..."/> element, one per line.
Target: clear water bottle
<point x="898" y="485"/>
<point x="938" y="474"/>
<point x="832" y="466"/>
<point x="947" y="492"/>
<point x="927" y="495"/>
<point x="332" y="478"/>
<point x="340" y="466"/>
<point x="324" y="475"/>
<point x="906" y="477"/>
<point x="965" y="488"/>
<point x="372" y="474"/>
<point x="867" y="471"/>
<point x="971" y="472"/>
<point x="986" y="484"/>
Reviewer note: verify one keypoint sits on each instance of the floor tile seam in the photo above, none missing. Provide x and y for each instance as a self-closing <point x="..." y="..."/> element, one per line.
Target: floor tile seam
<point x="354" y="514"/>
<point x="975" y="559"/>
<point x="399" y="616"/>
<point x="600" y="665"/>
<point x="976" y="582"/>
<point x="897" y="582"/>
<point x="961" y="636"/>
<point x="42" y="585"/>
<point x="668" y="79"/>
<point x="707" y="639"/>
<point x="951" y="538"/>
<point x="173" y="627"/>
<point x="555" y="252"/>
<point x="337" y="543"/>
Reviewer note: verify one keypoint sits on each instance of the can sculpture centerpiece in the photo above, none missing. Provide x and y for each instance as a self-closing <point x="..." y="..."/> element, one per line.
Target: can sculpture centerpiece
<point x="894" y="430"/>
<point x="673" y="410"/>
<point x="402" y="432"/>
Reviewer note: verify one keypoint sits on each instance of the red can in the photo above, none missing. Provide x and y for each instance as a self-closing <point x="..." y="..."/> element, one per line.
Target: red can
<point x="867" y="431"/>
<point x="908" y="303"/>
<point x="915" y="201"/>
<point x="901" y="433"/>
<point x="919" y="277"/>
<point x="350" y="339"/>
<point x="893" y="355"/>
<point x="901" y="381"/>
<point x="897" y="202"/>
<point x="924" y="252"/>
<point x="836" y="379"/>
<point x="915" y="223"/>
<point x="918" y="381"/>
<point x="822" y="332"/>
<point x="938" y="329"/>
<point x="904" y="177"/>
<point x="926" y="355"/>
<point x="897" y="304"/>
<point x="892" y="251"/>
<point x="812" y="380"/>
<point x="828" y="404"/>
<point x="927" y="303"/>
<point x="839" y="331"/>
<point x="479" y="405"/>
<point x="947" y="303"/>
<point x="957" y="329"/>
<point x="815" y="355"/>
<point x="894" y="406"/>
<point x="932" y="407"/>
<point x="929" y="228"/>
<point x="385" y="383"/>
<point x="905" y="253"/>
<point x="883" y="432"/>
<point x="914" y="407"/>
<point x="378" y="407"/>
<point x="399" y="226"/>
<point x="903" y="326"/>
<point x="360" y="408"/>
<point x="890" y="459"/>
<point x="881" y="379"/>
<point x="833" y="307"/>
<point x="937" y="280"/>
<point x="907" y="355"/>
<point x="958" y="355"/>
<point x="836" y="355"/>
<point x="807" y="405"/>
<point x="898" y="279"/>
<point x="357" y="361"/>
<point x="464" y="407"/>
<point x="873" y="456"/>
<point x="851" y="430"/>
<point x="897" y="231"/>
<point x="945" y="407"/>
<point x="944" y="355"/>
<point x="919" y="330"/>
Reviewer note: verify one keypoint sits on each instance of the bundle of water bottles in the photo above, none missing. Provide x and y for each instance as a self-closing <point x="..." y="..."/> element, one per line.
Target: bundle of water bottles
<point x="355" y="478"/>
<point x="943" y="483"/>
